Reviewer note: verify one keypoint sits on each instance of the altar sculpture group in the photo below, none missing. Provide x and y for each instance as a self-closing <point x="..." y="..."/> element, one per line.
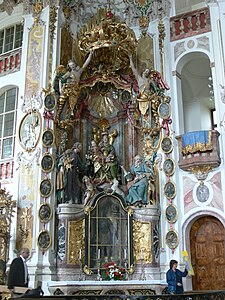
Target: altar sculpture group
<point x="77" y="180"/>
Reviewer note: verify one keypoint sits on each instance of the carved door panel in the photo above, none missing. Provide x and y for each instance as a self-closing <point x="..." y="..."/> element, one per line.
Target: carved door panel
<point x="207" y="240"/>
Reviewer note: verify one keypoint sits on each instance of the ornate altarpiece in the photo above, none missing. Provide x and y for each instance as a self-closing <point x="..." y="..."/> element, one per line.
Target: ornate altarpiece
<point x="100" y="224"/>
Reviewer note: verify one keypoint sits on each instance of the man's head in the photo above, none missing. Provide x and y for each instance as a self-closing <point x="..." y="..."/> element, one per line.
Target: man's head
<point x="138" y="160"/>
<point x="25" y="253"/>
<point x="105" y="136"/>
<point x="146" y="73"/>
<point x="77" y="147"/>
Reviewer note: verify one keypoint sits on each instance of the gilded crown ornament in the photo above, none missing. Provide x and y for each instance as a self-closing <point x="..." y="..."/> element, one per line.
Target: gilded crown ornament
<point x="110" y="39"/>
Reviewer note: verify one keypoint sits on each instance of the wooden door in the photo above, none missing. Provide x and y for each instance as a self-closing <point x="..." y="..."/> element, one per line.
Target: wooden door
<point x="207" y="242"/>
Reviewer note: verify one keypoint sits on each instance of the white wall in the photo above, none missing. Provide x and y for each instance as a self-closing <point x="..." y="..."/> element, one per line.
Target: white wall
<point x="192" y="119"/>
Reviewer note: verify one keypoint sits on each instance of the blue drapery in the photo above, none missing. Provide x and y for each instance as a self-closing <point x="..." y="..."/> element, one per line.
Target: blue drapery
<point x="193" y="142"/>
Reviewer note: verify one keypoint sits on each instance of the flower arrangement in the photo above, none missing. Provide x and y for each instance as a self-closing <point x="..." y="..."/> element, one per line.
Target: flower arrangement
<point x="112" y="272"/>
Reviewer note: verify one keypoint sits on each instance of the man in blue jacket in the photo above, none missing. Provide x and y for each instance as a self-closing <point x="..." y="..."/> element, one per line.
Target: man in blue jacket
<point x="174" y="278"/>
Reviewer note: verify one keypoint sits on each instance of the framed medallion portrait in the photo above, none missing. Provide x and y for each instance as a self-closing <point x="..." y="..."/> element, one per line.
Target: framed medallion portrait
<point x="166" y="144"/>
<point x="202" y="193"/>
<point x="171" y="213"/>
<point x="47" y="162"/>
<point x="169" y="166"/>
<point x="169" y="190"/>
<point x="44" y="240"/>
<point x="164" y="110"/>
<point x="126" y="96"/>
<point x="46" y="188"/>
<point x="50" y="102"/>
<point x="171" y="239"/>
<point x="48" y="138"/>
<point x="30" y="130"/>
<point x="45" y="213"/>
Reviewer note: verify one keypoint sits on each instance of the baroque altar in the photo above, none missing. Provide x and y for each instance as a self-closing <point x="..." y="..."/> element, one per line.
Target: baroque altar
<point x="108" y="130"/>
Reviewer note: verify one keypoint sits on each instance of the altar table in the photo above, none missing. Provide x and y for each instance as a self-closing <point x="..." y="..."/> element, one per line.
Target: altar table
<point x="88" y="287"/>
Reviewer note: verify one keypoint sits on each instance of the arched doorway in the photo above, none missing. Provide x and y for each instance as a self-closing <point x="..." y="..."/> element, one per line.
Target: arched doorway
<point x="207" y="242"/>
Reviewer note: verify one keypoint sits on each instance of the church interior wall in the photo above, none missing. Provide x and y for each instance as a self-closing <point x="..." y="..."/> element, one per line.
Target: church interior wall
<point x="185" y="119"/>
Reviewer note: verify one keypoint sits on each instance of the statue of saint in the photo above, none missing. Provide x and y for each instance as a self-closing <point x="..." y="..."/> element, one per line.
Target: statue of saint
<point x="74" y="170"/>
<point x="138" y="181"/>
<point x="109" y="157"/>
<point x="94" y="161"/>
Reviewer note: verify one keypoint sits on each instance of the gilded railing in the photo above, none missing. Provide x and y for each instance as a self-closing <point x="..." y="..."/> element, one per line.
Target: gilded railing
<point x="189" y="24"/>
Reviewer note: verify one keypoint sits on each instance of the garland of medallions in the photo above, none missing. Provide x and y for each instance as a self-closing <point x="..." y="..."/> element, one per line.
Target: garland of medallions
<point x="169" y="188"/>
<point x="46" y="188"/>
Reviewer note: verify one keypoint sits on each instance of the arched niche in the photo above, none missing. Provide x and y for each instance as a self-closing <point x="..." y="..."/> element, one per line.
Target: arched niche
<point x="108" y="225"/>
<point x="195" y="87"/>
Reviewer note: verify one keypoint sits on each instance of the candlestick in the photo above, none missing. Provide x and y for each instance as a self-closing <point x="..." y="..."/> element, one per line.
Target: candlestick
<point x="99" y="253"/>
<point x="126" y="270"/>
<point x="98" y="277"/>
<point x="80" y="255"/>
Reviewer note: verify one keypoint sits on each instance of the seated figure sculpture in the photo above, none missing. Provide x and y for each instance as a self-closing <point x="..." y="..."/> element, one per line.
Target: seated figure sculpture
<point x="138" y="181"/>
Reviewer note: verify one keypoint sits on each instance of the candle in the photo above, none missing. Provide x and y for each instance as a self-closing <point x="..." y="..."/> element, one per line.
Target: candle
<point x="99" y="254"/>
<point x="141" y="254"/>
<point x="125" y="253"/>
<point x="80" y="254"/>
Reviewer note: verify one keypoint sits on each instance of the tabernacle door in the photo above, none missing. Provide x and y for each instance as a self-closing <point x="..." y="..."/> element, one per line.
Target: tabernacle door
<point x="108" y="232"/>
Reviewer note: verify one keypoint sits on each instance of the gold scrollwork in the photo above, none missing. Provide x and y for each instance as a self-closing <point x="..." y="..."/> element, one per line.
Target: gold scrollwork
<point x="76" y="234"/>
<point x="87" y="270"/>
<point x="142" y="241"/>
